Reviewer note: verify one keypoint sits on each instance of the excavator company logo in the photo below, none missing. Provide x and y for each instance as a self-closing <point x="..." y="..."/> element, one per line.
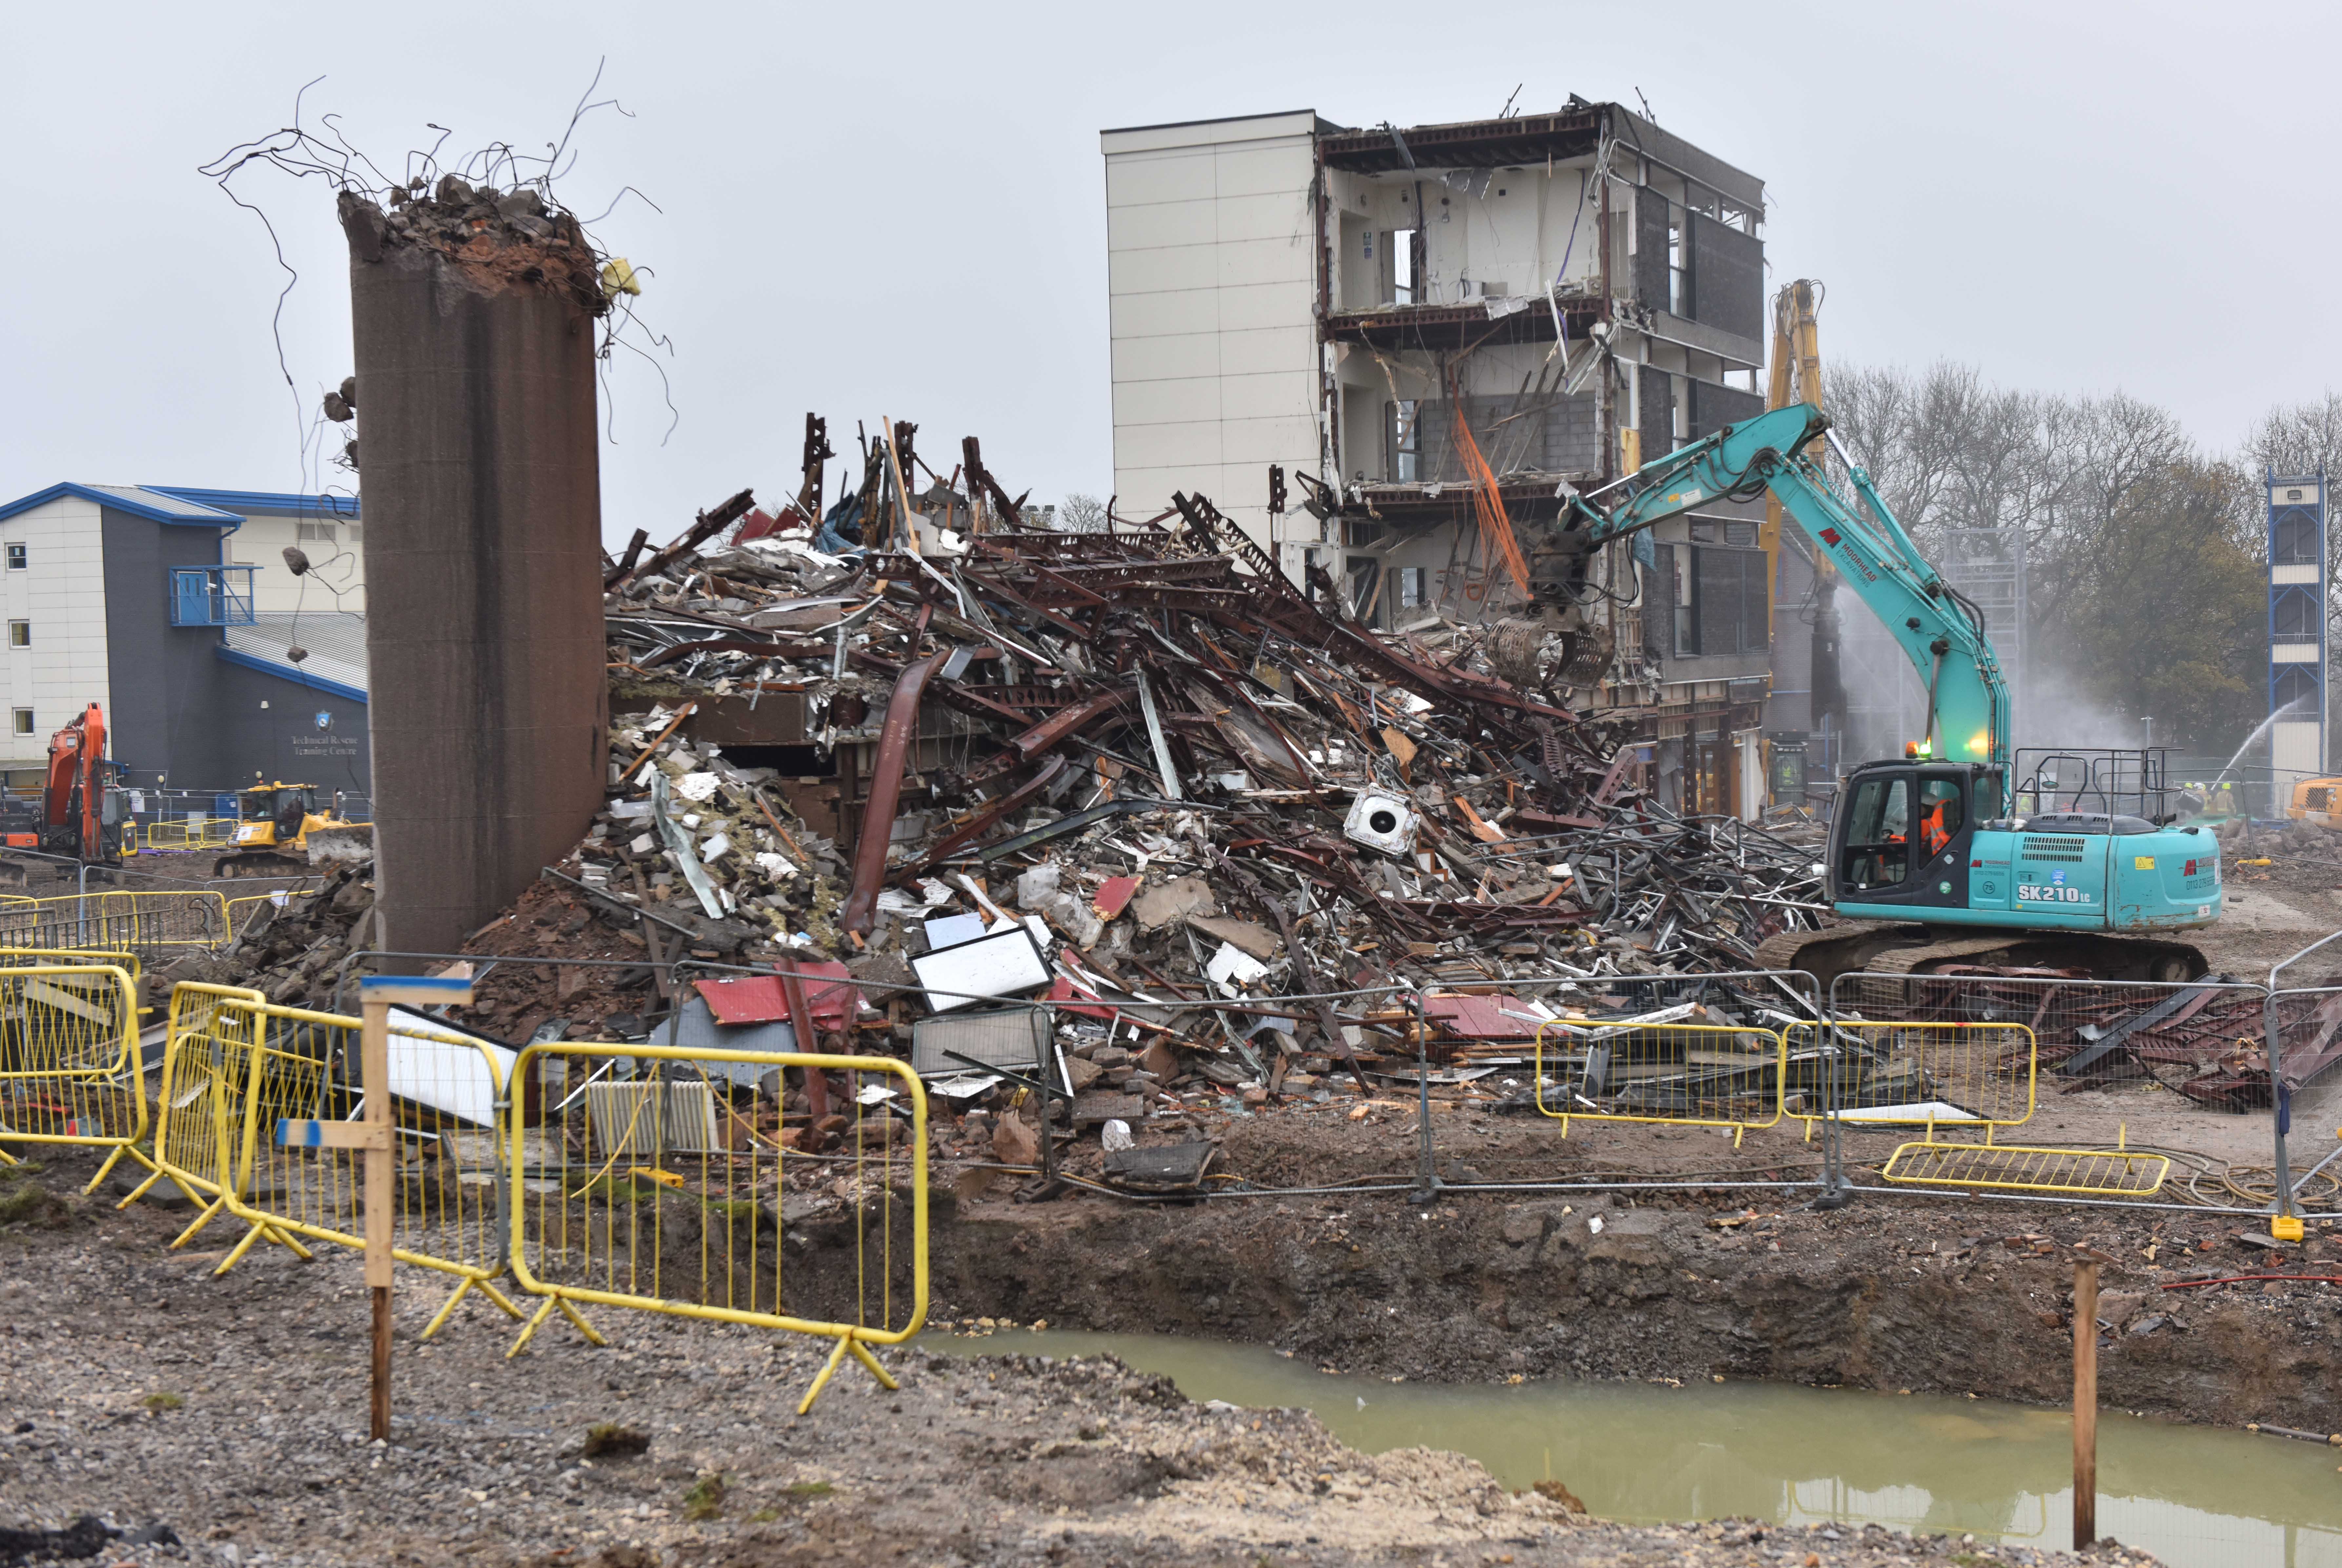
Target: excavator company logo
<point x="1829" y="536"/>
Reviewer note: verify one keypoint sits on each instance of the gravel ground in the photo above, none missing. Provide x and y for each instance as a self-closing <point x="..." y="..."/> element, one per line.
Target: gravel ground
<point x="223" y="1419"/>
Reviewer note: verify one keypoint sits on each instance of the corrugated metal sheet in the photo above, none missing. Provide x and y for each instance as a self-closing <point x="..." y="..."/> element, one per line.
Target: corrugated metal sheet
<point x="334" y="641"/>
<point x="138" y="494"/>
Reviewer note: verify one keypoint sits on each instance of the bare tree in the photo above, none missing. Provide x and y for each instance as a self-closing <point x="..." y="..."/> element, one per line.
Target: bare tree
<point x="1080" y="514"/>
<point x="2090" y="487"/>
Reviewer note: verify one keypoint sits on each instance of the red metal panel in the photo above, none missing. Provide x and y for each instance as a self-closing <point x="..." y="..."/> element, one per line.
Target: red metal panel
<point x="748" y="999"/>
<point x="1480" y="1017"/>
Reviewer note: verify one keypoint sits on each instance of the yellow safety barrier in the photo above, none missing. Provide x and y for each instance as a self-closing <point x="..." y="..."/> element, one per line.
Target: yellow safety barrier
<point x="34" y="957"/>
<point x="251" y="1065"/>
<point x="199" y="1097"/>
<point x="180" y="836"/>
<point x="70" y="1071"/>
<point x="116" y="918"/>
<point x="1654" y="1068"/>
<point x="1912" y="1074"/>
<point x="2095" y="1173"/>
<point x="664" y="1179"/>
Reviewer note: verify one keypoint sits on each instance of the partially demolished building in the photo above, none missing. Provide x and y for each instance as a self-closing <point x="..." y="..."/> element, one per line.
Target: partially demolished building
<point x="1433" y="335"/>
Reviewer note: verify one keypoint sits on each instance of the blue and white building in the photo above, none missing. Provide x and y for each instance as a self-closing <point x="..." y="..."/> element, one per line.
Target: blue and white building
<point x="2297" y="622"/>
<point x="175" y="609"/>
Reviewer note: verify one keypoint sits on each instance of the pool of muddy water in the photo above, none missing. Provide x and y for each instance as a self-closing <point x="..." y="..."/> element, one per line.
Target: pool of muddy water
<point x="2198" y="1497"/>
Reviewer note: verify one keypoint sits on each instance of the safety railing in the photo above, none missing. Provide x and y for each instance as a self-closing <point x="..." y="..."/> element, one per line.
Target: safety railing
<point x="153" y="924"/>
<point x="2201" y="1039"/>
<point x="238" y="1066"/>
<point x="180" y="836"/>
<point x="1659" y="1069"/>
<point x="199" y="1097"/>
<point x="1911" y="1074"/>
<point x="70" y="1069"/>
<point x="676" y="1179"/>
<point x="38" y="957"/>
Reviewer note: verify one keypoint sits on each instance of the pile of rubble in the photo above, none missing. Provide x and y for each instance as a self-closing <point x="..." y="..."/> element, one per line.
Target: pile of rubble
<point x="291" y="948"/>
<point x="944" y="764"/>
<point x="935" y="765"/>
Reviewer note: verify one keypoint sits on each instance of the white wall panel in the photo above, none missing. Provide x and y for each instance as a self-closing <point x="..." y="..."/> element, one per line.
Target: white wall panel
<point x="1186" y="174"/>
<point x="1163" y="267"/>
<point x="1159" y="358"/>
<point x="1166" y="445"/>
<point x="1164" y="313"/>
<point x="1280" y="348"/>
<point x="1144" y="403"/>
<point x="1163" y="224"/>
<point x="1244" y="262"/>
<point x="1284" y="167"/>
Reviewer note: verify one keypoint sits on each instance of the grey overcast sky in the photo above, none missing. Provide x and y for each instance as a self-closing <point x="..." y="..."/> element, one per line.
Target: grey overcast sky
<point x="898" y="210"/>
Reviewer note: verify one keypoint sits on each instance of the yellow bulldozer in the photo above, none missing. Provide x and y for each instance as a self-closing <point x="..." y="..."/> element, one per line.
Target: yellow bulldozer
<point x="2317" y="802"/>
<point x="277" y="827"/>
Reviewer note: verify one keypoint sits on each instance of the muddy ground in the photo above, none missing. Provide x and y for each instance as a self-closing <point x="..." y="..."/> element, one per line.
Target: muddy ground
<point x="221" y="1420"/>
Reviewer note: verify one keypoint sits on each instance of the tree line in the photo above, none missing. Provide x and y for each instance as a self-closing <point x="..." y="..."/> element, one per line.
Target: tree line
<point x="2145" y="554"/>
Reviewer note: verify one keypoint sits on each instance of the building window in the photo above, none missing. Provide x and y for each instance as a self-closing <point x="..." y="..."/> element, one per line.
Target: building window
<point x="1411" y="581"/>
<point x="1405" y="442"/>
<point x="20" y="633"/>
<point x="24" y="721"/>
<point x="1678" y="261"/>
<point x="1674" y="564"/>
<point x="2296" y="542"/>
<point x="16" y="557"/>
<point x="317" y="533"/>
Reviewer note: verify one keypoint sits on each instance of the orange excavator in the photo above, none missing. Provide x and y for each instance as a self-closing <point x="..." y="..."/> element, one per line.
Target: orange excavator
<point x="81" y="813"/>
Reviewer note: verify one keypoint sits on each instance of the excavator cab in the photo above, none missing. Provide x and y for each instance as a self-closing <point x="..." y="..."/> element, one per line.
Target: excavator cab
<point x="1903" y="836"/>
<point x="281" y="807"/>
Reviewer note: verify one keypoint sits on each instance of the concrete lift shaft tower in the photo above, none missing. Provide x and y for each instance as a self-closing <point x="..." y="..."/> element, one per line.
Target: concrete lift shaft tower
<point x="475" y="322"/>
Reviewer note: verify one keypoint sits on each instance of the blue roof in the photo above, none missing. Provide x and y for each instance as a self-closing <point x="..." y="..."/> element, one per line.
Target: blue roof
<point x="188" y="506"/>
<point x="263" y="501"/>
<point x="138" y="500"/>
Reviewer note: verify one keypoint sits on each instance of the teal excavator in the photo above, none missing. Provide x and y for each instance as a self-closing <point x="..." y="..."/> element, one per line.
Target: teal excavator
<point x="1929" y="850"/>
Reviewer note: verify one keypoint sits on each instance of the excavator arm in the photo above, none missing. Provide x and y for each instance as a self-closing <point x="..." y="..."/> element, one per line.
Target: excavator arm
<point x="1941" y="631"/>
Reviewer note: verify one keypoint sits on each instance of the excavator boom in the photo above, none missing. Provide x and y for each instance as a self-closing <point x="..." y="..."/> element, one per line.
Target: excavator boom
<point x="1931" y="836"/>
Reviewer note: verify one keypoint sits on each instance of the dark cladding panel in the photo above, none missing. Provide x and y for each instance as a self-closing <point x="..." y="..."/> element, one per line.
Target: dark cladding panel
<point x="1654" y="413"/>
<point x="1650" y="248"/>
<point x="1727" y="269"/>
<point x="1713" y="407"/>
<point x="1728" y="594"/>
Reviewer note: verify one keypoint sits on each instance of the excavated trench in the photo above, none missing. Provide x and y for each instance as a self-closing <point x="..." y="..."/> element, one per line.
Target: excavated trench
<point x="1946" y="1297"/>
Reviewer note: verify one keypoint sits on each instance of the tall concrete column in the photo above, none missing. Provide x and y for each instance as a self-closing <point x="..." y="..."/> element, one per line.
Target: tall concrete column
<point x="488" y="706"/>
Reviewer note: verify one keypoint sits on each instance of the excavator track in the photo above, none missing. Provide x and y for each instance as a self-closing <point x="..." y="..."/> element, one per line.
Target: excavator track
<point x="1864" y="947"/>
<point x="261" y="863"/>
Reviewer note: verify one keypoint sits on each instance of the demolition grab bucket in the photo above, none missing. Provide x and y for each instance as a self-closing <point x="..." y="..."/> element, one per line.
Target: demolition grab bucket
<point x="656" y="1177"/>
<point x="70" y="1070"/>
<point x="238" y="1066"/>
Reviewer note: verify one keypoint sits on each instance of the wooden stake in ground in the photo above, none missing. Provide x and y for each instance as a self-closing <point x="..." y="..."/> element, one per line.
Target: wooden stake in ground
<point x="2086" y="1402"/>
<point x="376" y="995"/>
